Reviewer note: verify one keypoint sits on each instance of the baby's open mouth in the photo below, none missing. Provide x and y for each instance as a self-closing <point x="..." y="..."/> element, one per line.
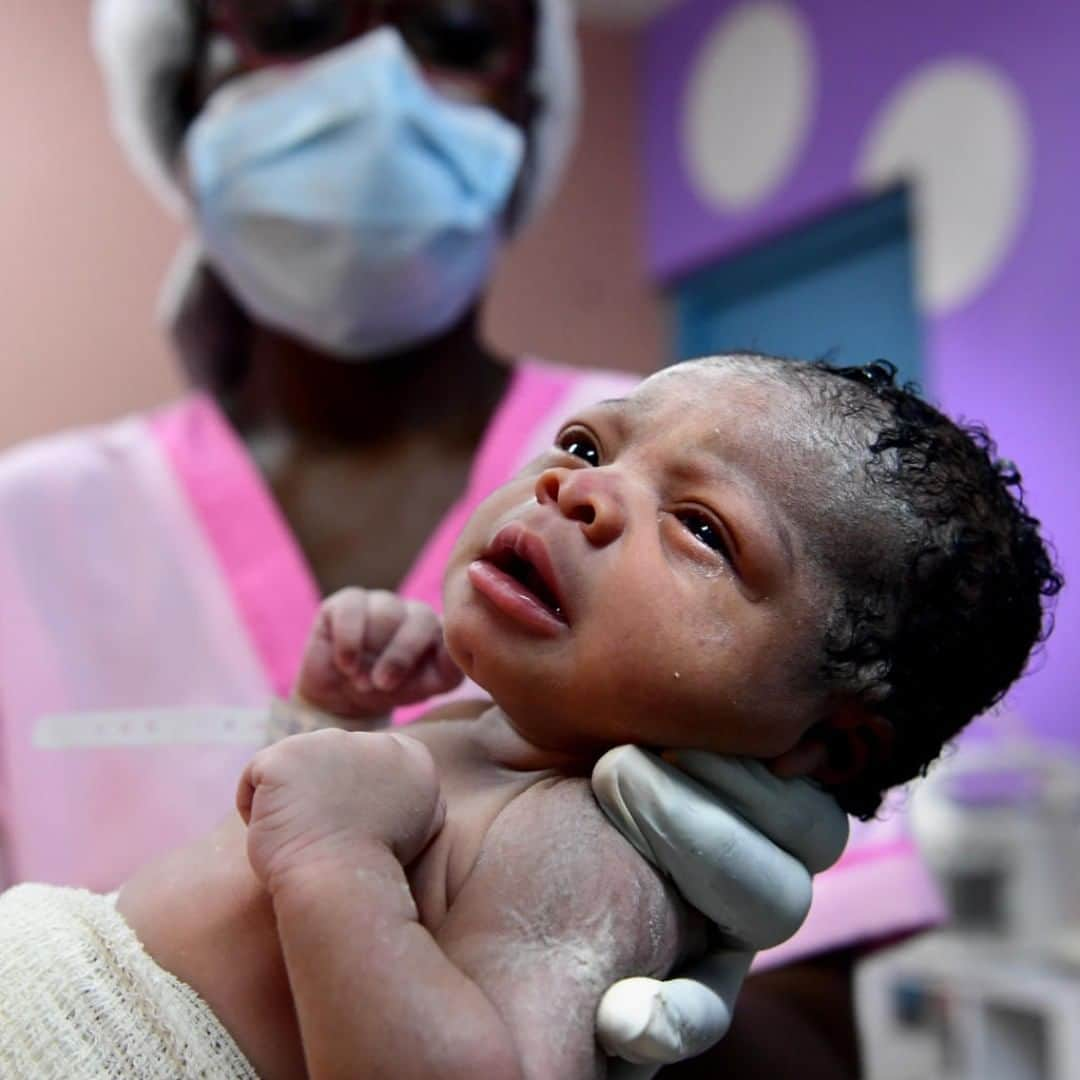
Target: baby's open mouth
<point x="521" y="579"/>
<point x="522" y="571"/>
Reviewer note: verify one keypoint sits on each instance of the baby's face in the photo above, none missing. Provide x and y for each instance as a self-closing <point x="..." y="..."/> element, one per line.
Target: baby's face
<point x="648" y="579"/>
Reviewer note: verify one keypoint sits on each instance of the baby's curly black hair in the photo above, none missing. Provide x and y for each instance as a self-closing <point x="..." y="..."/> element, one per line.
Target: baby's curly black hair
<point x="934" y="636"/>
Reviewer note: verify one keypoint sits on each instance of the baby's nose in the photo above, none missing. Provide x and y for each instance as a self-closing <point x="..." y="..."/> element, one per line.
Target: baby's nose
<point x="587" y="496"/>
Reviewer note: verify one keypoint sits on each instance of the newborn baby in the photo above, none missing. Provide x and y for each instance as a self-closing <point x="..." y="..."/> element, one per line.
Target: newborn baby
<point x="699" y="565"/>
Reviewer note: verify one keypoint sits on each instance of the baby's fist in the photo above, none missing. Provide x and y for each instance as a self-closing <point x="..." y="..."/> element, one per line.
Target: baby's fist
<point x="371" y="651"/>
<point x="321" y="797"/>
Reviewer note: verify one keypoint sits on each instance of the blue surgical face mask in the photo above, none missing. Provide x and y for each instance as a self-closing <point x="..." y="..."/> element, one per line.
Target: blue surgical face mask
<point x="347" y="202"/>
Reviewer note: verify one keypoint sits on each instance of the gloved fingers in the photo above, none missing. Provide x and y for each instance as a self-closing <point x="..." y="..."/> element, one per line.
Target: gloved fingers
<point x="756" y="893"/>
<point x="650" y="1022"/>
<point x="612" y="777"/>
<point x="795" y="814"/>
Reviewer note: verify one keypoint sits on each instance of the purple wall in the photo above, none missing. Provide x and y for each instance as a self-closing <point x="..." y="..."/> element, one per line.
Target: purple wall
<point x="1007" y="356"/>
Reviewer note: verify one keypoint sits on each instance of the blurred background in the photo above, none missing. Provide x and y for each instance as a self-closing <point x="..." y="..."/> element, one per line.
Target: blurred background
<point x="819" y="177"/>
<point x="810" y="177"/>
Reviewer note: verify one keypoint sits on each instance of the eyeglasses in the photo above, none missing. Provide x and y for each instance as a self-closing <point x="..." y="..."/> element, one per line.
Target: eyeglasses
<point x="488" y="39"/>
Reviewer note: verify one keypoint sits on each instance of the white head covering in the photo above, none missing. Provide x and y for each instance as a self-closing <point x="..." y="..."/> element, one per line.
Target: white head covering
<point x="145" y="50"/>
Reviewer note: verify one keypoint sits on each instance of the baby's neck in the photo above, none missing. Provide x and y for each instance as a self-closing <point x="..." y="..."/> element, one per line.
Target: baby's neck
<point x="507" y="746"/>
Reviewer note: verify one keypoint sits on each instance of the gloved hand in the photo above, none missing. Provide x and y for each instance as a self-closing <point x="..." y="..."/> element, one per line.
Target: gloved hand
<point x="740" y="845"/>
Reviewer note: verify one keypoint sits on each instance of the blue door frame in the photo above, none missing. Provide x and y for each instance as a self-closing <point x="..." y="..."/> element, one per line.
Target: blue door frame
<point x="840" y="288"/>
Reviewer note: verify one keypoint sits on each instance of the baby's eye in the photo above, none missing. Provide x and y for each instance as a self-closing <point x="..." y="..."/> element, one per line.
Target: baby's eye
<point x="704" y="531"/>
<point x="580" y="444"/>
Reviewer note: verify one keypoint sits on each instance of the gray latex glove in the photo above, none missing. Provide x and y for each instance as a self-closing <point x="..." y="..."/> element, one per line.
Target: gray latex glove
<point x="740" y="845"/>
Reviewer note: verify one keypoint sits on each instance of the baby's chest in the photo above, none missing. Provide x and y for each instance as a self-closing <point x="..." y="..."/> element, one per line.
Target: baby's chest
<point x="474" y="800"/>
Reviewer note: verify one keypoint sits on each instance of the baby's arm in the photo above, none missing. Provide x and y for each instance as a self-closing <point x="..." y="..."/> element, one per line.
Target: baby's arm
<point x="369" y="652"/>
<point x="333" y="819"/>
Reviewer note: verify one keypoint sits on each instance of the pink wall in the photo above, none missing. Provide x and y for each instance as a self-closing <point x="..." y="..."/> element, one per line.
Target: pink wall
<point x="85" y="247"/>
<point x="82" y="248"/>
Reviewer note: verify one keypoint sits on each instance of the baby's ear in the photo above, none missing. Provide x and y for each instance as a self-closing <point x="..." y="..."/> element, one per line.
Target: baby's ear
<point x="836" y="750"/>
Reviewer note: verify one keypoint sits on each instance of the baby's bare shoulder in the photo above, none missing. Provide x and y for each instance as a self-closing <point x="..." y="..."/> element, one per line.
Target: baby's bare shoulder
<point x="559" y="906"/>
<point x="574" y="879"/>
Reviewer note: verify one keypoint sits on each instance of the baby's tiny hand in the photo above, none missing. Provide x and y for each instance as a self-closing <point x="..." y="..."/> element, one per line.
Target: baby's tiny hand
<point x="371" y="651"/>
<point x="319" y="798"/>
